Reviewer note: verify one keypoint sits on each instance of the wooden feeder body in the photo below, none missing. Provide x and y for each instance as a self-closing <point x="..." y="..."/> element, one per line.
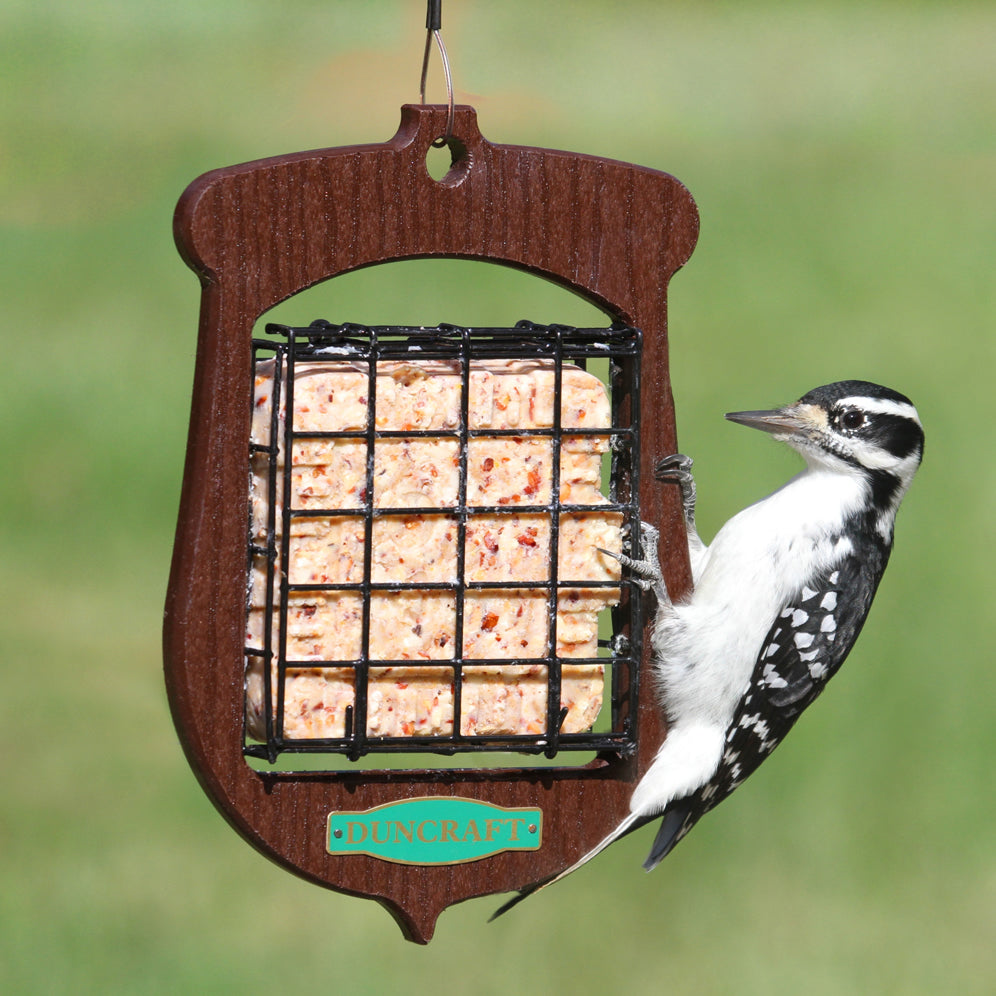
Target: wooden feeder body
<point x="260" y="232"/>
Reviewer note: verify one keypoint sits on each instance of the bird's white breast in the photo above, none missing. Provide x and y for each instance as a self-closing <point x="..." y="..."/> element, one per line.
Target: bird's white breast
<point x="707" y="646"/>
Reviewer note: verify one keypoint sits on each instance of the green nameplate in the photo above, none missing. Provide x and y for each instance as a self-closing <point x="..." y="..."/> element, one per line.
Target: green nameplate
<point x="435" y="830"/>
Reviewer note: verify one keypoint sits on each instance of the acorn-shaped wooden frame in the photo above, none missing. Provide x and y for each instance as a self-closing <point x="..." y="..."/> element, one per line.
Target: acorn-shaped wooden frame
<point x="256" y="234"/>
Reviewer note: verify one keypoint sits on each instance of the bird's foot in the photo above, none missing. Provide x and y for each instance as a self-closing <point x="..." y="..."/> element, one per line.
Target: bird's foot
<point x="677" y="469"/>
<point x="673" y="462"/>
<point x="647" y="573"/>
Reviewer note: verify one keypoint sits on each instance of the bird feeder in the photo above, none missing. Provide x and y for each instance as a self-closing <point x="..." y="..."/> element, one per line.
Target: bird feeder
<point x="412" y="810"/>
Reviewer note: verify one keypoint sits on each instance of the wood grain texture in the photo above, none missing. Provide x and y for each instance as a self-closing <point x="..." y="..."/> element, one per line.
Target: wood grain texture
<point x="260" y="232"/>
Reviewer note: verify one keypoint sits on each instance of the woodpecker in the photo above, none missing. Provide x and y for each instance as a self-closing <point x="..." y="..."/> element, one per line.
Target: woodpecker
<point x="778" y="600"/>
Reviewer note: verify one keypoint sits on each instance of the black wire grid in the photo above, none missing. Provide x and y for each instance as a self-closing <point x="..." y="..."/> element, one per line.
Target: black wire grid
<point x="366" y="346"/>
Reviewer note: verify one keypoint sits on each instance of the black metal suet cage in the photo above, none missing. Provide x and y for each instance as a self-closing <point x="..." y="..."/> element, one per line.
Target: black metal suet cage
<point x="614" y="354"/>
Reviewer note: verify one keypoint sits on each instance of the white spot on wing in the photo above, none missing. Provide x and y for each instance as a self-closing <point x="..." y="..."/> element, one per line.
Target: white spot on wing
<point x="803" y="640"/>
<point x="829" y="601"/>
<point x="841" y="549"/>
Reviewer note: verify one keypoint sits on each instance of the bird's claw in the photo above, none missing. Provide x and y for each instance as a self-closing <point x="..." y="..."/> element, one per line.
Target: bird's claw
<point x="677" y="469"/>
<point x="647" y="573"/>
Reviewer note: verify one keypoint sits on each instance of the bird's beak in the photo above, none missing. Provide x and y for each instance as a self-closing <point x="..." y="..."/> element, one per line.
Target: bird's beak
<point x="792" y="420"/>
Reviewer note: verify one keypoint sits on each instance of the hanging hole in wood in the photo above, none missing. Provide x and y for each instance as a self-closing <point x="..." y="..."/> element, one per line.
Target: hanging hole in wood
<point x="448" y="161"/>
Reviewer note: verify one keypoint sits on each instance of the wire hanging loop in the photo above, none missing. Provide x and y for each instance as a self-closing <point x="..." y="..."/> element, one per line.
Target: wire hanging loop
<point x="433" y="26"/>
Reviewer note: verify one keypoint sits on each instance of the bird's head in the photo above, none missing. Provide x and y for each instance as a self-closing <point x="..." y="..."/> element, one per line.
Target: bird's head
<point x="850" y="427"/>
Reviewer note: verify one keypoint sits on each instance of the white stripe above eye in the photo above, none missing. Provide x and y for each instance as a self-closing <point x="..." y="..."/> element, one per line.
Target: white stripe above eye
<point x="882" y="406"/>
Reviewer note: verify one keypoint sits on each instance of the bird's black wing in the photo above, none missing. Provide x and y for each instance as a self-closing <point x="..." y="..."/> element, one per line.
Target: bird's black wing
<point x="803" y="650"/>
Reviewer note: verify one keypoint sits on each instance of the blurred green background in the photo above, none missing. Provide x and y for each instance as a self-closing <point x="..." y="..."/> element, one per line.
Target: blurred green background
<point x="843" y="157"/>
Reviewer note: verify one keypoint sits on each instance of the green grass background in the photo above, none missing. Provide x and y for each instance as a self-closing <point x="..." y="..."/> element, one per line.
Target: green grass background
<point x="843" y="156"/>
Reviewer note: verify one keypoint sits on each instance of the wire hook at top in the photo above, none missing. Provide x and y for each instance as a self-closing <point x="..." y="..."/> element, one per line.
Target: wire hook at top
<point x="433" y="26"/>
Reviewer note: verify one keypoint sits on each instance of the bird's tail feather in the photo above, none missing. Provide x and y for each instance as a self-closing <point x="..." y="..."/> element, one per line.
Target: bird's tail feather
<point x="671" y="830"/>
<point x="632" y="822"/>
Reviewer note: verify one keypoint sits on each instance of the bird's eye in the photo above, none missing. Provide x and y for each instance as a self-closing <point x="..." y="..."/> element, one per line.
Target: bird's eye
<point x="852" y="419"/>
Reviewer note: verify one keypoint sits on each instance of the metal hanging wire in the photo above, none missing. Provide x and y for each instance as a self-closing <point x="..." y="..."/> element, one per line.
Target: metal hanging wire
<point x="433" y="29"/>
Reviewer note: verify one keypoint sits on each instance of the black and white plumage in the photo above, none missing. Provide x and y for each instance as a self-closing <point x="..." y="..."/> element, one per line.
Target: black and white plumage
<point x="779" y="599"/>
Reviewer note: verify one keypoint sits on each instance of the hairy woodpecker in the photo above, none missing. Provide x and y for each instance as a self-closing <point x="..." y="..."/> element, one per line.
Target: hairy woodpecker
<point x="778" y="601"/>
